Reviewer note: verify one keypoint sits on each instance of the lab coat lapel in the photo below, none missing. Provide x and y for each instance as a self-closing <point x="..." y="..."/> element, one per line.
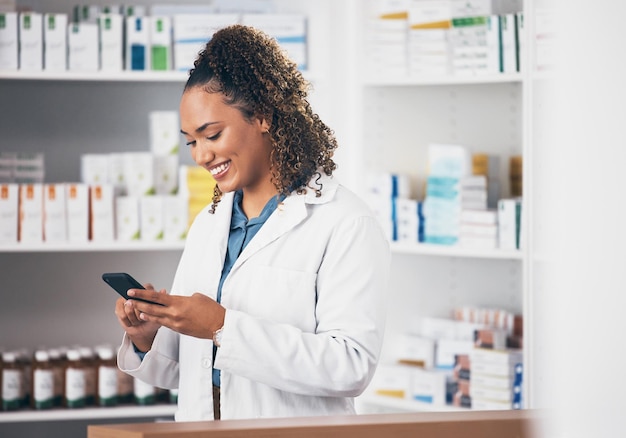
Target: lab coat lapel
<point x="218" y="244"/>
<point x="287" y="215"/>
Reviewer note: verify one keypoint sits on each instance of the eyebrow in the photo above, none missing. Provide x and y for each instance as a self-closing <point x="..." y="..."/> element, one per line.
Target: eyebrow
<point x="200" y="128"/>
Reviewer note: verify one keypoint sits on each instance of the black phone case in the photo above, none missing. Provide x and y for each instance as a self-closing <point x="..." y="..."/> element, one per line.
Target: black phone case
<point x="121" y="282"/>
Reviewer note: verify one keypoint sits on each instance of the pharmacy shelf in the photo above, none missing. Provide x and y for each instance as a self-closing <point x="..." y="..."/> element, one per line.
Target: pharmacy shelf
<point x="396" y="404"/>
<point x="454" y="251"/>
<point x="396" y="248"/>
<point x="22" y="416"/>
<point x="105" y="76"/>
<point x="96" y="76"/>
<point x="92" y="246"/>
<point x="427" y="81"/>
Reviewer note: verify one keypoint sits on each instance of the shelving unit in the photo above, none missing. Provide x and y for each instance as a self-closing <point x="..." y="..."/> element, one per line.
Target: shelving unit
<point x="396" y="119"/>
<point x="97" y="76"/>
<point x="100" y="76"/>
<point x="378" y="404"/>
<point x="117" y="412"/>
<point x="453" y="251"/>
<point x="427" y="81"/>
<point x="382" y="123"/>
<point x="396" y="248"/>
<point x="91" y="247"/>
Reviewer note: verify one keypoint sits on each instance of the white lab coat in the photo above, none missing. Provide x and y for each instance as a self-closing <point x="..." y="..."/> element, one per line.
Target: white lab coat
<point x="305" y="312"/>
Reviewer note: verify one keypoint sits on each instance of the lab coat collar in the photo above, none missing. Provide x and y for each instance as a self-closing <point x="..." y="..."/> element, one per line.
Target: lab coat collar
<point x="327" y="185"/>
<point x="287" y="215"/>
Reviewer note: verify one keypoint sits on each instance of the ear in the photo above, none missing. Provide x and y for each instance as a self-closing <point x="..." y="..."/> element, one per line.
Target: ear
<point x="264" y="124"/>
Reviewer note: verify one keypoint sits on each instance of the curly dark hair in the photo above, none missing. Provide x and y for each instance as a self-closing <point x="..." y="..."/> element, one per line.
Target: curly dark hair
<point x="256" y="76"/>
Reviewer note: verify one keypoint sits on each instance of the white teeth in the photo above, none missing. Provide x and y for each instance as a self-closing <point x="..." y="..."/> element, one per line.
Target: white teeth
<point x="219" y="169"/>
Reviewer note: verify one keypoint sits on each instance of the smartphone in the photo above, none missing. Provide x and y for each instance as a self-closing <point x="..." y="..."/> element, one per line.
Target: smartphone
<point x="121" y="282"/>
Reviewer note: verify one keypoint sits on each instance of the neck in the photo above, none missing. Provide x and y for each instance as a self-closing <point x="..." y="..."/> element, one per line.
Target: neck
<point x="252" y="203"/>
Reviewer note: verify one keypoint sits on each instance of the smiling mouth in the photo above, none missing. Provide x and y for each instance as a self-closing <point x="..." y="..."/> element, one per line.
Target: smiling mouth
<point x="219" y="169"/>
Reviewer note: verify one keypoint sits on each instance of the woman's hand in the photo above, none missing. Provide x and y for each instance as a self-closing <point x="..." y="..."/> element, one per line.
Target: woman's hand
<point x="196" y="315"/>
<point x="140" y="332"/>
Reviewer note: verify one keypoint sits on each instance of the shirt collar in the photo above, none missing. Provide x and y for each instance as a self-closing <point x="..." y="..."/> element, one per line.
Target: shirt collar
<point x="239" y="218"/>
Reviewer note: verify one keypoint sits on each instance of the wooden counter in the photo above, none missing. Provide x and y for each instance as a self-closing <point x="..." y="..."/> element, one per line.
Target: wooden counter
<point x="471" y="424"/>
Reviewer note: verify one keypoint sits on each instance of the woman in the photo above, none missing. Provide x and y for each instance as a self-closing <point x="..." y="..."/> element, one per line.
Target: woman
<point x="277" y="304"/>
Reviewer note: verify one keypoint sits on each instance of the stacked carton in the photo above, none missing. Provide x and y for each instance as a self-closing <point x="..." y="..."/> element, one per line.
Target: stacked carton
<point x="496" y="379"/>
<point x="489" y="376"/>
<point x="428" y="40"/>
<point x="479" y="229"/>
<point x="388" y="196"/>
<point x="440" y="37"/>
<point x="117" y="38"/>
<point x="448" y="169"/>
<point x="387" y="38"/>
<point x="489" y="166"/>
<point x="479" y="225"/>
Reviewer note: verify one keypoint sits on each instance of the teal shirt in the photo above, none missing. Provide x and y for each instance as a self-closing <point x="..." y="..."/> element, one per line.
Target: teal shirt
<point x="242" y="231"/>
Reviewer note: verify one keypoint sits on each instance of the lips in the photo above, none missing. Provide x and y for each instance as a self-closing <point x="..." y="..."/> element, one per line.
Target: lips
<point x="219" y="170"/>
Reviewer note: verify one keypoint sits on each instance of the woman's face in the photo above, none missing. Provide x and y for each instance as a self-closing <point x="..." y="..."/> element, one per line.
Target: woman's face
<point x="233" y="149"/>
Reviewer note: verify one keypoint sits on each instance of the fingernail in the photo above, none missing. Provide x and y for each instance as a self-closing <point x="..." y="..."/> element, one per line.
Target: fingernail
<point x="128" y="303"/>
<point x="143" y="316"/>
<point x="131" y="292"/>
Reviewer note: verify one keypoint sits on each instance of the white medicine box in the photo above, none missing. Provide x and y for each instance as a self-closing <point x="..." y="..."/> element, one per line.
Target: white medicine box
<point x="77" y="199"/>
<point x="31" y="41"/>
<point x="31" y="213"/>
<point x="9" y="58"/>
<point x="9" y="204"/>
<point x="166" y="174"/>
<point x="127" y="218"/>
<point x="137" y="43"/>
<point x="111" y="42"/>
<point x="55" y="213"/>
<point x="175" y="217"/>
<point x="83" y="50"/>
<point x="94" y="168"/>
<point x="164" y="132"/>
<point x="102" y="212"/>
<point x="151" y="217"/>
<point x="161" y="43"/>
<point x="55" y="42"/>
<point x="139" y="173"/>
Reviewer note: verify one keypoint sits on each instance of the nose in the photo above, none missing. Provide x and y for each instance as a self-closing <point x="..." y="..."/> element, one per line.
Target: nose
<point x="202" y="154"/>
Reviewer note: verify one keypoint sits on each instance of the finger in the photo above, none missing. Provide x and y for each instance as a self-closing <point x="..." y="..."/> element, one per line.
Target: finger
<point x="148" y="295"/>
<point x="153" y="310"/>
<point x="132" y="314"/>
<point x="158" y="319"/>
<point x="120" y="312"/>
<point x="149" y="286"/>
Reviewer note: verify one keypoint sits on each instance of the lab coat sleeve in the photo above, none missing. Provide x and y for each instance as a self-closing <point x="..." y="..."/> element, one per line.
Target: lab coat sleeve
<point x="159" y="366"/>
<point x="339" y="359"/>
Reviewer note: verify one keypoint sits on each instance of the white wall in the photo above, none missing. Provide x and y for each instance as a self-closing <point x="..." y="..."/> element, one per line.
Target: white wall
<point x="582" y="273"/>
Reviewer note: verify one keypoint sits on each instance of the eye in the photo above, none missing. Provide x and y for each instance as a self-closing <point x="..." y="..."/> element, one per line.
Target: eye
<point x="214" y="137"/>
<point x="191" y="143"/>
